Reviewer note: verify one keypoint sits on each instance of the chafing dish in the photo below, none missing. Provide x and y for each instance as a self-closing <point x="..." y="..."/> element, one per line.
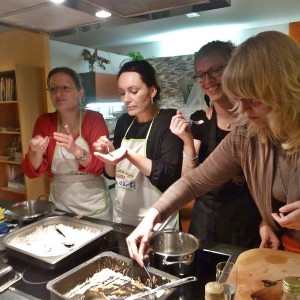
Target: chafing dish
<point x="74" y="279"/>
<point x="53" y="262"/>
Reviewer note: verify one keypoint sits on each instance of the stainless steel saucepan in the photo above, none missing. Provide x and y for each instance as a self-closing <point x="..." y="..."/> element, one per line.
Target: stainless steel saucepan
<point x="173" y="252"/>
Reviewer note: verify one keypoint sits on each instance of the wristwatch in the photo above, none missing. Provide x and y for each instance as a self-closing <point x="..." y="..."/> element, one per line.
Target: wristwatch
<point x="83" y="156"/>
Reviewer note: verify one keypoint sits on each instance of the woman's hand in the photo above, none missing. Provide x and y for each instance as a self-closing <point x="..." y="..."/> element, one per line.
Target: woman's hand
<point x="268" y="238"/>
<point x="103" y="145"/>
<point x="39" y="144"/>
<point x="181" y="127"/>
<point x="112" y="157"/>
<point x="66" y="140"/>
<point x="289" y="216"/>
<point x="138" y="240"/>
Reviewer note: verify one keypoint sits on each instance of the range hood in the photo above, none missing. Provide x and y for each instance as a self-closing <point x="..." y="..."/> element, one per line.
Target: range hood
<point x="79" y="15"/>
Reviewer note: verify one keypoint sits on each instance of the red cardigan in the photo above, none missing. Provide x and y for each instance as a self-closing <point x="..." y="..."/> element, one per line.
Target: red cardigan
<point x="93" y="126"/>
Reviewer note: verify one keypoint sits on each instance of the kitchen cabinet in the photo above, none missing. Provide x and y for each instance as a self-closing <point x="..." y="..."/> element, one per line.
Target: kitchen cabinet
<point x="19" y="110"/>
<point x="99" y="86"/>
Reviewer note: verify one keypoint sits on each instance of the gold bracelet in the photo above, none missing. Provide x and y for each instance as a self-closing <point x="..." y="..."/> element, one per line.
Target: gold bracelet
<point x="190" y="158"/>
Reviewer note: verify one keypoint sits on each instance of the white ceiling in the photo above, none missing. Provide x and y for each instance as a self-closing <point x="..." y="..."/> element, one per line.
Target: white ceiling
<point x="65" y="23"/>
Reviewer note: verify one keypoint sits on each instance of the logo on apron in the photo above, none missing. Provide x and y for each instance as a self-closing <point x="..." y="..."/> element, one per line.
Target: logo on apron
<point x="125" y="180"/>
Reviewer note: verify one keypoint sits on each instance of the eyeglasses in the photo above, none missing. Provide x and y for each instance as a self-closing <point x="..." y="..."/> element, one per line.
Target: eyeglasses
<point x="250" y="102"/>
<point x="63" y="89"/>
<point x="213" y="73"/>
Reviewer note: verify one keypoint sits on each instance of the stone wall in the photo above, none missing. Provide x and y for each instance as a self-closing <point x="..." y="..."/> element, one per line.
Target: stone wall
<point x="170" y="72"/>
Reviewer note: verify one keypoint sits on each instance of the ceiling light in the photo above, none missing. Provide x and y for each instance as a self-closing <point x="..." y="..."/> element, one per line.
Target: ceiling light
<point x="193" y="15"/>
<point x="103" y="14"/>
<point x="58" y="1"/>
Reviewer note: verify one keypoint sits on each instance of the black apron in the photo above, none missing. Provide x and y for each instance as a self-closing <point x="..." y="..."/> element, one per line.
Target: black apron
<point x="228" y="213"/>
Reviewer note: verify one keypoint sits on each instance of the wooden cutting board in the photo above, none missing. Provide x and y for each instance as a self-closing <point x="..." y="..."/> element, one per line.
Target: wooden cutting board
<point x="257" y="264"/>
<point x="268" y="293"/>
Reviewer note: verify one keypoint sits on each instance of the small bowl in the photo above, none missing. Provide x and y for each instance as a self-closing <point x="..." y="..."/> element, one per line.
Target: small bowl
<point x="29" y="210"/>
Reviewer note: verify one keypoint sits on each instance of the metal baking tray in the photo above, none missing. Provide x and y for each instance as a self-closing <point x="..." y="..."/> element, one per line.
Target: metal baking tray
<point x="8" y="276"/>
<point x="62" y="285"/>
<point x="53" y="262"/>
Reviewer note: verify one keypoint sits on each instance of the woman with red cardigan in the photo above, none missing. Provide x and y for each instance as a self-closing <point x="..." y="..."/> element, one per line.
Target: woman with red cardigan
<point x="62" y="146"/>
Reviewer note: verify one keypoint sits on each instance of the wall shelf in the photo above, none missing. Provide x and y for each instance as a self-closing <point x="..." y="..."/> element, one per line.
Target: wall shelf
<point x="12" y="162"/>
<point x="17" y="118"/>
<point x="7" y="189"/>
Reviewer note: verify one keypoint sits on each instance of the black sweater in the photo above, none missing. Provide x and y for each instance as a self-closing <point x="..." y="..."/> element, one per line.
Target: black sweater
<point x="163" y="147"/>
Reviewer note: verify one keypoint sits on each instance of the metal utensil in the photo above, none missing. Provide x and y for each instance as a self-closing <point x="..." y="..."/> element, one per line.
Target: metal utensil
<point x="268" y="283"/>
<point x="226" y="269"/>
<point x="199" y="122"/>
<point x="148" y="274"/>
<point x="68" y="243"/>
<point x="163" y="287"/>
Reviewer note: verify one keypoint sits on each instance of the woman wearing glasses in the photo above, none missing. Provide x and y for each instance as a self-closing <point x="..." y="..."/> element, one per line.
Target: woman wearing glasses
<point x="227" y="214"/>
<point x="62" y="146"/>
<point x="262" y="79"/>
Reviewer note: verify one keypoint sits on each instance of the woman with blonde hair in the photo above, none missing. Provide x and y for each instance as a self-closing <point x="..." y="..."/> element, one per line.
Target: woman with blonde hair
<point x="262" y="79"/>
<point x="228" y="213"/>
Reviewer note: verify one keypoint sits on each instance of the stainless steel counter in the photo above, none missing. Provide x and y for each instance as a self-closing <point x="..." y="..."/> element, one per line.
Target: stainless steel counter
<point x="33" y="283"/>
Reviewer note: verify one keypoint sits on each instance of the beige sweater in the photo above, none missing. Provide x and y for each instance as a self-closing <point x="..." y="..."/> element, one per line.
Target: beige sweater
<point x="236" y="151"/>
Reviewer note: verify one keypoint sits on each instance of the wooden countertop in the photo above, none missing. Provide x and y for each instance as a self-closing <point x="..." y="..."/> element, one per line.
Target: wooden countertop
<point x="257" y="264"/>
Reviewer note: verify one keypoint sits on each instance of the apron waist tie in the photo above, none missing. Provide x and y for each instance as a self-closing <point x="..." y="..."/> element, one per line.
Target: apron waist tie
<point x="69" y="178"/>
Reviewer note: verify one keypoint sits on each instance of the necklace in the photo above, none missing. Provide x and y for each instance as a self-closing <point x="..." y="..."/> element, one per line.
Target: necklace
<point x="280" y="176"/>
<point x="228" y="125"/>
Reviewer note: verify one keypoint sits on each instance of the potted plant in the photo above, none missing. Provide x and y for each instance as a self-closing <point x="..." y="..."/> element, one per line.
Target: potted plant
<point x="136" y="55"/>
<point x="94" y="58"/>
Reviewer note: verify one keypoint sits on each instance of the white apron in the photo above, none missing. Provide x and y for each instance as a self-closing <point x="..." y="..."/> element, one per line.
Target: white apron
<point x="134" y="192"/>
<point x="74" y="191"/>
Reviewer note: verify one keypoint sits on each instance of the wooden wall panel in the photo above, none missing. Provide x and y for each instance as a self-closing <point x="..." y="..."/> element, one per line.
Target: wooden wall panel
<point x="294" y="31"/>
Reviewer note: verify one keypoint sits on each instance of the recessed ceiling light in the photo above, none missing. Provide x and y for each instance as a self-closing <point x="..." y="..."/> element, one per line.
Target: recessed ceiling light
<point x="103" y="14"/>
<point x="193" y="15"/>
<point x="58" y="1"/>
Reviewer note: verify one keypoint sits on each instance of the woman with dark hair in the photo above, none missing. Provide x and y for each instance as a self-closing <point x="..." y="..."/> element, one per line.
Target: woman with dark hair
<point x="228" y="213"/>
<point x="62" y="146"/>
<point x="148" y="156"/>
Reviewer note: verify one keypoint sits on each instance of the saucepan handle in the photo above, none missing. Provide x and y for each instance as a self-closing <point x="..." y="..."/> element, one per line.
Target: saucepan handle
<point x="167" y="263"/>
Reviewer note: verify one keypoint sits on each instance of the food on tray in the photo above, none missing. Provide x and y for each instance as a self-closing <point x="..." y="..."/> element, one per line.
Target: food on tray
<point x="47" y="241"/>
<point x="114" y="285"/>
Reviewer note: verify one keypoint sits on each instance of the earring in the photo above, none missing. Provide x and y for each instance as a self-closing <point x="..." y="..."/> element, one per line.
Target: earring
<point x="151" y="100"/>
<point x="81" y="104"/>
